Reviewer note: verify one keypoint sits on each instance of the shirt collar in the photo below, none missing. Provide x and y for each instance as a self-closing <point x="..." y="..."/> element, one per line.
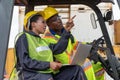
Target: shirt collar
<point x="54" y="33"/>
<point x="32" y="33"/>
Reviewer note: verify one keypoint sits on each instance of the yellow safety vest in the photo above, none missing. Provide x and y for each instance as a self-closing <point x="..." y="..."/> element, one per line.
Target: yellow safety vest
<point x="66" y="56"/>
<point x="38" y="49"/>
<point x="88" y="69"/>
<point x="99" y="71"/>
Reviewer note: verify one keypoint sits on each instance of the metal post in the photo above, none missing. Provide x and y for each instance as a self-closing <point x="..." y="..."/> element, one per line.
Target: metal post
<point x="118" y="1"/>
<point x="6" y="9"/>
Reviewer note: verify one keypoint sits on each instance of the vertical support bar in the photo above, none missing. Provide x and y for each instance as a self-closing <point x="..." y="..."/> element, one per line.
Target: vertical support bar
<point x="104" y="30"/>
<point x="5" y="24"/>
<point x="102" y="25"/>
<point x="108" y="42"/>
<point x="118" y="1"/>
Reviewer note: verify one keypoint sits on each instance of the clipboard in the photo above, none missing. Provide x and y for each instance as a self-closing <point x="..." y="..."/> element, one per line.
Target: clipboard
<point x="82" y="52"/>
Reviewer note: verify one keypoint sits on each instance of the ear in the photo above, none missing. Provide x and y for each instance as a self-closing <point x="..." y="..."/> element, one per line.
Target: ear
<point x="33" y="24"/>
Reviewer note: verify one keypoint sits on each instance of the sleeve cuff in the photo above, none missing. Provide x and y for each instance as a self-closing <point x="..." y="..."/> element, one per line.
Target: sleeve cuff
<point x="66" y="34"/>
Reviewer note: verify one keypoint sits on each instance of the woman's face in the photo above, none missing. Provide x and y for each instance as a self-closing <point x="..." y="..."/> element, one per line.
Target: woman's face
<point x="40" y="26"/>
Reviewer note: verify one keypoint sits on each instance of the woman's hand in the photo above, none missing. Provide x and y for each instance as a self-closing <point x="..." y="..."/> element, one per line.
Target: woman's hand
<point x="55" y="65"/>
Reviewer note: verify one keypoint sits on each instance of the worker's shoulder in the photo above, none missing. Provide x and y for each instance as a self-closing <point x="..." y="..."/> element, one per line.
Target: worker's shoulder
<point x="20" y="36"/>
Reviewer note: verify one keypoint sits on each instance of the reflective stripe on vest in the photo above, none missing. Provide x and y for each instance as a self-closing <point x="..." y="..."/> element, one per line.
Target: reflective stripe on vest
<point x="100" y="72"/>
<point x="87" y="66"/>
<point x="39" y="50"/>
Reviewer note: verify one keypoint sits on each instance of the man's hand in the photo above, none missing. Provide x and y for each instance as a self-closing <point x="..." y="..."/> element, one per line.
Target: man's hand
<point x="55" y="65"/>
<point x="69" y="24"/>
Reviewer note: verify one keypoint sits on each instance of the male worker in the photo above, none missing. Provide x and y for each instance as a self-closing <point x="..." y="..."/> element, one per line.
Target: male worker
<point x="35" y="56"/>
<point x="53" y="35"/>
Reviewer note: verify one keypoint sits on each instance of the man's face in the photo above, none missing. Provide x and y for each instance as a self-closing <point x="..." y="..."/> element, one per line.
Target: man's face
<point x="55" y="23"/>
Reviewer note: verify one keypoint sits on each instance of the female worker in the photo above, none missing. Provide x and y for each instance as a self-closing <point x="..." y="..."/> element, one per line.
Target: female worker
<point x="35" y="56"/>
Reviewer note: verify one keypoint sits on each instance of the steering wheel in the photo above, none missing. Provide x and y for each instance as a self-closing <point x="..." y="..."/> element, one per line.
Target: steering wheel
<point x="109" y="64"/>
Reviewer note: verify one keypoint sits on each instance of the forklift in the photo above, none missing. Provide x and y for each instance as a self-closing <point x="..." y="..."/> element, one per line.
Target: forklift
<point x="110" y="64"/>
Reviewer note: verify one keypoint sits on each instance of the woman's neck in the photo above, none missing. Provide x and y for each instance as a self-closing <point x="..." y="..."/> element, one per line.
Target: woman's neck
<point x="35" y="32"/>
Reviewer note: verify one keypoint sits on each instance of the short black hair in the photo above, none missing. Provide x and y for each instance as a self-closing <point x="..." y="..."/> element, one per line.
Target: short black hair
<point x="34" y="18"/>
